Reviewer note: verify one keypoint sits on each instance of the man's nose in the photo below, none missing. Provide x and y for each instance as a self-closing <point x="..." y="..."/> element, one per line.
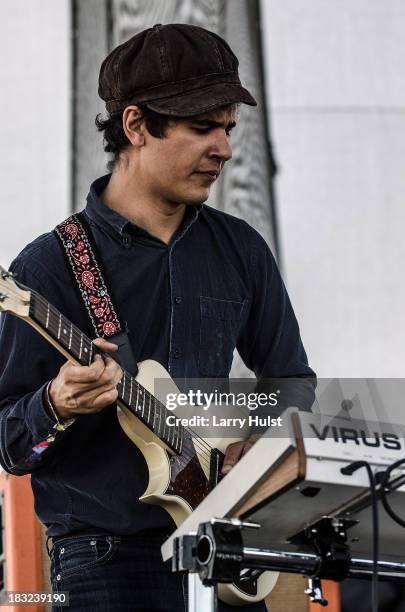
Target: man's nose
<point x="221" y="147"/>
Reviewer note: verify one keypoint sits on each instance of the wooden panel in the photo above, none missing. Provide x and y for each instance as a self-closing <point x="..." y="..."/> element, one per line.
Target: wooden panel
<point x="288" y="595"/>
<point x="246" y="189"/>
<point x="331" y="592"/>
<point x="90" y="23"/>
<point x="132" y="16"/>
<point x="283" y="478"/>
<point x="23" y="537"/>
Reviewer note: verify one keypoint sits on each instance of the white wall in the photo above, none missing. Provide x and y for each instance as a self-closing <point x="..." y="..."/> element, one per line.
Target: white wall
<point x="35" y="120"/>
<point x="336" y="89"/>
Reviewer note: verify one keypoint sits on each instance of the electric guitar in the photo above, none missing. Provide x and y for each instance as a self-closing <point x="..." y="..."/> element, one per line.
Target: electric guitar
<point x="183" y="468"/>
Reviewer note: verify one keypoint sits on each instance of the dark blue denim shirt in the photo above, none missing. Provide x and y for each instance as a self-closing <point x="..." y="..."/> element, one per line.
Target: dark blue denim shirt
<point x="187" y="304"/>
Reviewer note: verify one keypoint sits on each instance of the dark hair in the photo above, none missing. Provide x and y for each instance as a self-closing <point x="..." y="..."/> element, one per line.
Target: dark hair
<point x="115" y="140"/>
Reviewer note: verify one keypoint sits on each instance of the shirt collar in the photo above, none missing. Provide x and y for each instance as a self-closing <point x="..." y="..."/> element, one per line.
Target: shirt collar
<point x="99" y="212"/>
<point x="105" y="217"/>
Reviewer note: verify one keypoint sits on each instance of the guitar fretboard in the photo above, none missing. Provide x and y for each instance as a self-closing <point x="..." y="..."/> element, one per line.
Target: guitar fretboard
<point x="131" y="393"/>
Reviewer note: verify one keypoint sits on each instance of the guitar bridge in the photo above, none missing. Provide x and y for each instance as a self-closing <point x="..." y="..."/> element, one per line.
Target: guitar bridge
<point x="216" y="462"/>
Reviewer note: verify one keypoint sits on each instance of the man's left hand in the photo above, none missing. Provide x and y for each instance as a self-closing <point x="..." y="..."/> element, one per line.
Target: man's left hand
<point x="235" y="451"/>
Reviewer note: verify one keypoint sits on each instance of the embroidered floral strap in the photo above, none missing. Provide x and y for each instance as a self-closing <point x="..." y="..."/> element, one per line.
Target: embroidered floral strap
<point x="82" y="259"/>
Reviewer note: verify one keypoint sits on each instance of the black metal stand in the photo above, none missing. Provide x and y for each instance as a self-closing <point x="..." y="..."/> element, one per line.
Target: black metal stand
<point x="217" y="554"/>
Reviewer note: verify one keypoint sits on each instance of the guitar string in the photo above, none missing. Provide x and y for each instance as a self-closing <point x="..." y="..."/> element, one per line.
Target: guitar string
<point x="42" y="302"/>
<point x="77" y="338"/>
<point x="185" y="455"/>
<point x="56" y="329"/>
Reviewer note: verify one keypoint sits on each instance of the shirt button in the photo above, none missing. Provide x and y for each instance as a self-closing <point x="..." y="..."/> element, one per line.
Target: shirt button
<point x="126" y="241"/>
<point x="178" y="300"/>
<point x="177" y="354"/>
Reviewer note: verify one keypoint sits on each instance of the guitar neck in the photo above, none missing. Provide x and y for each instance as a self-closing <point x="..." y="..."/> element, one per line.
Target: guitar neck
<point x="71" y="341"/>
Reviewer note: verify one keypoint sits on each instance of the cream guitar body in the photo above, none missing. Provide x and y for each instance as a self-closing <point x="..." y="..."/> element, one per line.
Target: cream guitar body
<point x="166" y="479"/>
<point x="183" y="468"/>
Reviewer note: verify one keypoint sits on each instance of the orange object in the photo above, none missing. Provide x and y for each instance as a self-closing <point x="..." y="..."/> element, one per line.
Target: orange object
<point x="21" y="540"/>
<point x="331" y="592"/>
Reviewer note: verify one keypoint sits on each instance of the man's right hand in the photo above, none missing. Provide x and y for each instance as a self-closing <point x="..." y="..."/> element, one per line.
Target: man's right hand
<point x="86" y="389"/>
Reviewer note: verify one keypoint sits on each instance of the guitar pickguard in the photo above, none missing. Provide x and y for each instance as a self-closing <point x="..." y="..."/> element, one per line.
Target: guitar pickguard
<point x="187" y="478"/>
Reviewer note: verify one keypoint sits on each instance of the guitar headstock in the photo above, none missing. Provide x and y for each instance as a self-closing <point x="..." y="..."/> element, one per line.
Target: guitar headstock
<point x="13" y="298"/>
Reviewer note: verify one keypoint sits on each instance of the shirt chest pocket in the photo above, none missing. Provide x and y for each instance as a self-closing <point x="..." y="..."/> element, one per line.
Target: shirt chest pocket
<point x="220" y="321"/>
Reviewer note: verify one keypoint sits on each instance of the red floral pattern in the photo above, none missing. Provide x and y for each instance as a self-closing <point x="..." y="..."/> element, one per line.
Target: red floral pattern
<point x="89" y="279"/>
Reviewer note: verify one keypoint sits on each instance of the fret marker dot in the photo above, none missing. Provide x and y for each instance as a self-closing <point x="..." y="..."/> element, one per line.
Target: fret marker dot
<point x="64" y="331"/>
<point x="85" y="350"/>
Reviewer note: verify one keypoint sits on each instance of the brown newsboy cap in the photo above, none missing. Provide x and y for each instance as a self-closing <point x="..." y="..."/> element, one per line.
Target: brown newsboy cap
<point x="174" y="69"/>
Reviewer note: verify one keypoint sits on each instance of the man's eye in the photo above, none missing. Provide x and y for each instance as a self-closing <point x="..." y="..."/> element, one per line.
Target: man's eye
<point x="207" y="130"/>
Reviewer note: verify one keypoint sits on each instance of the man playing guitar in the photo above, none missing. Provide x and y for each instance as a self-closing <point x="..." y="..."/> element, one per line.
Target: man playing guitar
<point x="192" y="284"/>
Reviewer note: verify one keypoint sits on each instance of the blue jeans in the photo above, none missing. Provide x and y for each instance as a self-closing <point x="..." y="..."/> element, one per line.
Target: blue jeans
<point x="104" y="573"/>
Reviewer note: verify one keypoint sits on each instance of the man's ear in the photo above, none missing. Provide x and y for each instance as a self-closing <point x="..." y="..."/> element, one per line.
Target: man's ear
<point x="133" y="125"/>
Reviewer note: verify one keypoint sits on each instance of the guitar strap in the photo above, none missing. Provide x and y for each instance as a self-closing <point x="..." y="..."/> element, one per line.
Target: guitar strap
<point x="84" y="261"/>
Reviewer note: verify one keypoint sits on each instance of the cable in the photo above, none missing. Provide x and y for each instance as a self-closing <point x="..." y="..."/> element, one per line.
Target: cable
<point x="386" y="488"/>
<point x="349" y="470"/>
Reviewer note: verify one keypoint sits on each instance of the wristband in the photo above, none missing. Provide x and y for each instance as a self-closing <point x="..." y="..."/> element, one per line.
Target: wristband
<point x="59" y="425"/>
